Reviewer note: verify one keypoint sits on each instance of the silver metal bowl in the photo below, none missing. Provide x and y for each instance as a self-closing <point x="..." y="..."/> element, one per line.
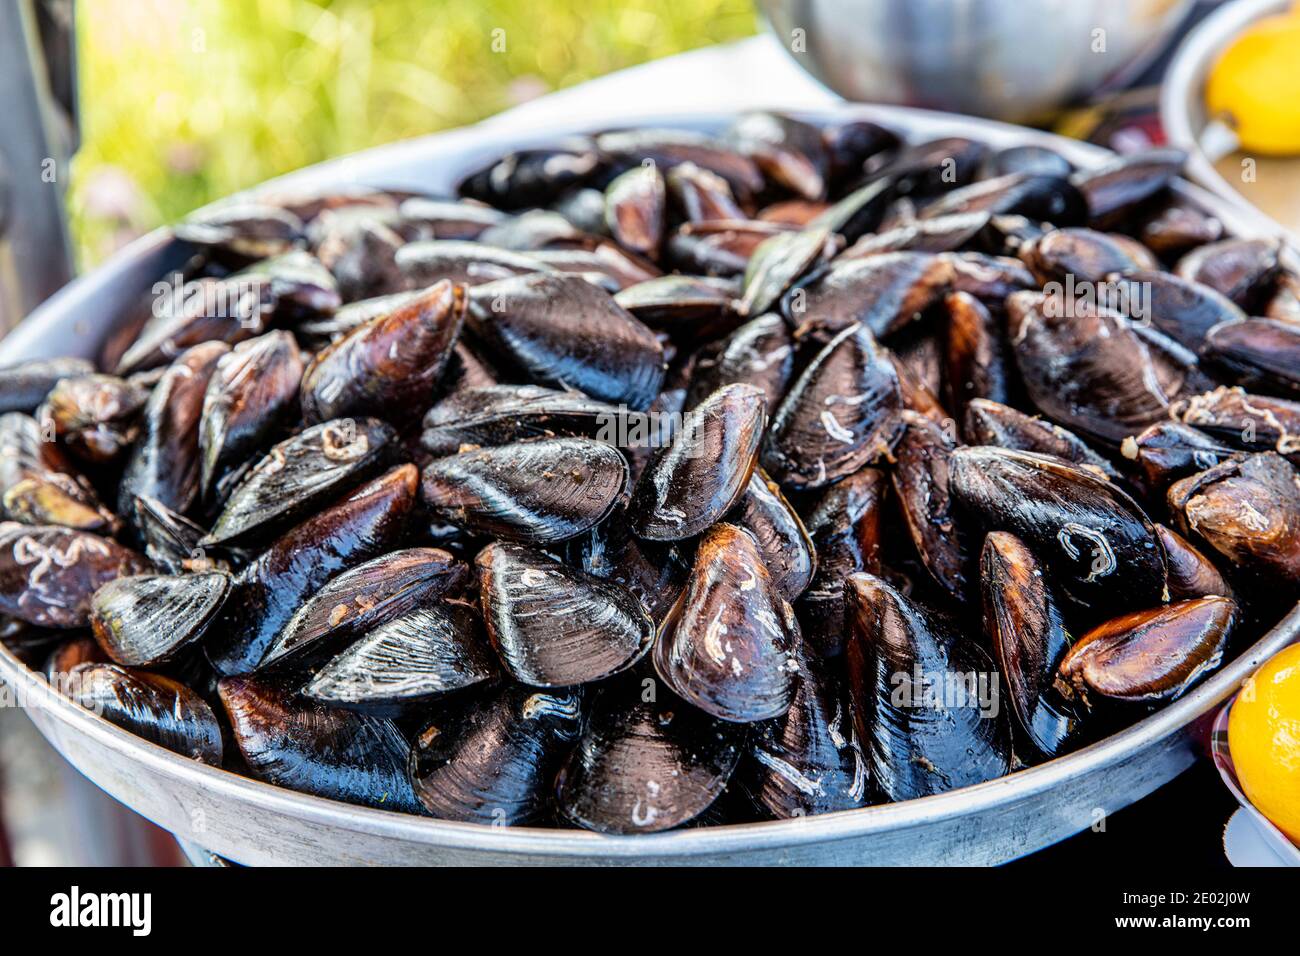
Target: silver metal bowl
<point x="252" y="822"/>
<point x="1010" y="59"/>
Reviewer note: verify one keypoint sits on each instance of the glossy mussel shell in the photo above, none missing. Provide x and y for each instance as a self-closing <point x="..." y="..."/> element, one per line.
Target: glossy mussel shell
<point x="493" y="761"/>
<point x="1259" y="353"/>
<point x="388" y="365"/>
<point x="313" y="748"/>
<point x="555" y="626"/>
<point x="702" y="473"/>
<point x="300" y="475"/>
<point x="501" y="414"/>
<point x="646" y="761"/>
<point x="926" y="712"/>
<point x="730" y="645"/>
<point x="48" y="574"/>
<point x="416" y="657"/>
<point x="1148" y="656"/>
<point x="365" y="597"/>
<point x="157" y="708"/>
<point x="782" y="538"/>
<point x="24" y="386"/>
<point x="992" y="423"/>
<point x="839" y="415"/>
<point x="1095" y="539"/>
<point x="1029" y="639"/>
<point x="147" y="619"/>
<point x="922" y="487"/>
<point x="532" y="492"/>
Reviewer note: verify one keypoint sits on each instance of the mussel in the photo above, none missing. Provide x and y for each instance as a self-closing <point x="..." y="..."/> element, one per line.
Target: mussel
<point x="49" y="574"/>
<point x="144" y="620"/>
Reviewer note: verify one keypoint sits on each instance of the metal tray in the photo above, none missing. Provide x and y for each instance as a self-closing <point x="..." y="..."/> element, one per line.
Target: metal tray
<point x="255" y="823"/>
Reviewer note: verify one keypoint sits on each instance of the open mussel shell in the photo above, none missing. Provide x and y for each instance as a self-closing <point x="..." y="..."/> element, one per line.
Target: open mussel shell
<point x="1095" y="539"/>
<point x="165" y="463"/>
<point x="407" y="661"/>
<point x="316" y="749"/>
<point x="268" y="592"/>
<point x="1191" y="574"/>
<point x="493" y="760"/>
<point x="554" y="626"/>
<point x="1029" y="639"/>
<point x="702" y="473"/>
<point x="730" y="645"/>
<point x="645" y="762"/>
<point x="1247" y="510"/>
<point x="300" y="475"/>
<point x="95" y="416"/>
<point x="250" y="394"/>
<point x="564" y="332"/>
<point x="147" y="619"/>
<point x="157" y="708"/>
<point x="845" y="525"/>
<point x="781" y="536"/>
<point x="24" y="386"/>
<point x="1084" y="366"/>
<point x="533" y="492"/>
<point x="501" y="414"/>
<point x="388" y="365"/>
<point x="991" y="423"/>
<point x="1259" y="353"/>
<point x="809" y="760"/>
<point x="926" y="706"/>
<point x="49" y="574"/>
<point x="1168" y="451"/>
<point x="362" y="598"/>
<point x="921" y="486"/>
<point x="1148" y="656"/>
<point x="839" y="415"/>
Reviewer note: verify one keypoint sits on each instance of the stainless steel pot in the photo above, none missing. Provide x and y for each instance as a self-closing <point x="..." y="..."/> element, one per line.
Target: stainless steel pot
<point x="252" y="822"/>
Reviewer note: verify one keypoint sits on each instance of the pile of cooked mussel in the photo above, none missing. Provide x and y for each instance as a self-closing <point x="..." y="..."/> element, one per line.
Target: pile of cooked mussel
<point x="661" y="478"/>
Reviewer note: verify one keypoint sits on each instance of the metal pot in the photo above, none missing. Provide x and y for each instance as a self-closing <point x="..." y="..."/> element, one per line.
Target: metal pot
<point x="255" y="823"/>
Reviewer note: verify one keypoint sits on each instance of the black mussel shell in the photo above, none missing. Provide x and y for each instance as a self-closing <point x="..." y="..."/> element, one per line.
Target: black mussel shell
<point x="251" y="230"/>
<point x="532" y="230"/>
<point x="653" y="571"/>
<point x="1038" y="196"/>
<point x="359" y="251"/>
<point x="364" y="597"/>
<point x="299" y="283"/>
<point x="977" y="358"/>
<point x="606" y="265"/>
<point x="388" y="365"/>
<point x="849" y="145"/>
<point x="702" y="474"/>
<point x="635" y="209"/>
<point x="858" y="213"/>
<point x="157" y="708"/>
<point x="1243" y="270"/>
<point x="1148" y="656"/>
<point x="778" y="262"/>
<point x="501" y="414"/>
<point x="927" y="710"/>
<point x="1028" y="159"/>
<point x="884" y="292"/>
<point x="719" y="247"/>
<point x="269" y="591"/>
<point x="921" y="486"/>
<point x="935" y="166"/>
<point x="1182" y="309"/>
<point x="171" y="541"/>
<point x="316" y="749"/>
<point x="781" y="535"/>
<point x="1191" y="574"/>
<point x="319" y="332"/>
<point x="554" y="626"/>
<point x="148" y="619"/>
<point x="645" y="764"/>
<point x="790" y="152"/>
<point x="300" y="475"/>
<point x="760" y="352"/>
<point x="48" y="574"/>
<point x="1084" y="366"/>
<point x="1168" y="451"/>
<point x="1029" y="639"/>
<point x="941" y="234"/>
<point x="56" y="498"/>
<point x="845" y="525"/>
<point x="81" y="648"/>
<point x="692" y="306"/>
<point x="250" y="394"/>
<point x="1242" y="420"/>
<point x="95" y="416"/>
<point x="730" y="645"/>
<point x="532" y="177"/>
<point x="992" y="423"/>
<point x="414" y="658"/>
<point x="700" y="195"/>
<point x="493" y="761"/>
<point x="1115" y="191"/>
<point x="1247" y="510"/>
<point x="534" y="492"/>
<point x="669" y="147"/>
<point x="1178" y="228"/>
<point x="839" y="415"/>
<point x="466" y="263"/>
<point x="1258" y="353"/>
<point x="1085" y="254"/>
<point x="564" y="332"/>
<point x="24" y="386"/>
<point x="810" y="760"/>
<point x="1095" y="539"/>
<point x="165" y="463"/>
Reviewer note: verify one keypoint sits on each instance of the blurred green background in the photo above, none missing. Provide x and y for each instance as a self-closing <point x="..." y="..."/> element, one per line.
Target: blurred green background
<point x="185" y="101"/>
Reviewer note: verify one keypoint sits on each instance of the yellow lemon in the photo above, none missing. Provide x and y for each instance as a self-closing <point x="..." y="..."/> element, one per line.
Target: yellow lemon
<point x="1264" y="737"/>
<point x="1255" y="86"/>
